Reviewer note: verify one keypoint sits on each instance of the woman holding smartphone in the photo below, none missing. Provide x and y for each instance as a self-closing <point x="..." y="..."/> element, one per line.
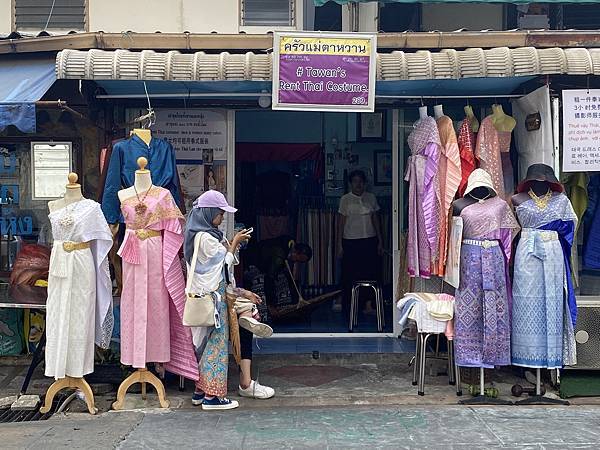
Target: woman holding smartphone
<point x="216" y="258"/>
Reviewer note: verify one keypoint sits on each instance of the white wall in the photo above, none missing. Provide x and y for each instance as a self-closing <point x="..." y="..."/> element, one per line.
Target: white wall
<point x="173" y="16"/>
<point x="5" y="17"/>
<point x="450" y="17"/>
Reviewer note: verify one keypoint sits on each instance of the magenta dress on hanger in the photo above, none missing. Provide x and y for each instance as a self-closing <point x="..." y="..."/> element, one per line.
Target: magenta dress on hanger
<point x="153" y="294"/>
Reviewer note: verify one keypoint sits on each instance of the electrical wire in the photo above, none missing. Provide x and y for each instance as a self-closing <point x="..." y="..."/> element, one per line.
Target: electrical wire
<point x="50" y="15"/>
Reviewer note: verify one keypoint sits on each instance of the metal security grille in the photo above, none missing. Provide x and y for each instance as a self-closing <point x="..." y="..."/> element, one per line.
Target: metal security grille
<point x="36" y="15"/>
<point x="587" y="334"/>
<point x="268" y="12"/>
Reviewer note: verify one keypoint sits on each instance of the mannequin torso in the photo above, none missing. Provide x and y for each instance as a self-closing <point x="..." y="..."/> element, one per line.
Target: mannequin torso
<point x="480" y="193"/>
<point x="502" y="121"/>
<point x="142" y="183"/>
<point x="438" y="111"/>
<point x="72" y="194"/>
<point x="540" y="188"/>
<point x="423" y="112"/>
<point x="473" y="122"/>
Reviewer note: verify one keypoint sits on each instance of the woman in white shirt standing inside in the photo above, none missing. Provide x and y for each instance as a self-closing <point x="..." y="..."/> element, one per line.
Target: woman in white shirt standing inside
<point x="359" y="238"/>
<point x="215" y="256"/>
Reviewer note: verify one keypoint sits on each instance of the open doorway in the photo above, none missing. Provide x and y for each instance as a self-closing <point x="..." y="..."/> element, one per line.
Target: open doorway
<point x="292" y="171"/>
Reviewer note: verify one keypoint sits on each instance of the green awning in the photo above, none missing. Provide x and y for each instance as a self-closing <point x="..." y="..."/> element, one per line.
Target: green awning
<point x="343" y="2"/>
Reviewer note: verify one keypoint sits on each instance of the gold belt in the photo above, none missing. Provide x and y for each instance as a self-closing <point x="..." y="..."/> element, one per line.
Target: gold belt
<point x="144" y="234"/>
<point x="69" y="246"/>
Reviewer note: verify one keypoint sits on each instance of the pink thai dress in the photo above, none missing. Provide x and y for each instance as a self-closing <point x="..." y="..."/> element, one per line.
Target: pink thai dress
<point x="491" y="145"/>
<point x="153" y="294"/>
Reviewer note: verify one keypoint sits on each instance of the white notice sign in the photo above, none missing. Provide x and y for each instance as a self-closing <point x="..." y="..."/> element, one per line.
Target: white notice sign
<point x="581" y="130"/>
<point x="193" y="133"/>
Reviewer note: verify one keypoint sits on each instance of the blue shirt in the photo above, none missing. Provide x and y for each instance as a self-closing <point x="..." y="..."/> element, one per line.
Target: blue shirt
<point x="122" y="167"/>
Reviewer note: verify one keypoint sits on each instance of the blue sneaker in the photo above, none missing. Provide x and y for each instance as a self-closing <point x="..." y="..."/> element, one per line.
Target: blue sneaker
<point x="219" y="404"/>
<point x="197" y="399"/>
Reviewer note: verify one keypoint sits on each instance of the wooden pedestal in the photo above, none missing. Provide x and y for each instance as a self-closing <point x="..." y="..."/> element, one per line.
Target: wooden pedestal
<point x="65" y="383"/>
<point x="141" y="376"/>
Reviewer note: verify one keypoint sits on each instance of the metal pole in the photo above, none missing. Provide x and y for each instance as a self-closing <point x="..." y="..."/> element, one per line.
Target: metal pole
<point x="556" y="135"/>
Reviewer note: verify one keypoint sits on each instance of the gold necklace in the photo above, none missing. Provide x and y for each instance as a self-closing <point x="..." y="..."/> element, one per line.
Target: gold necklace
<point x="141" y="207"/>
<point x="541" y="202"/>
<point x="480" y="200"/>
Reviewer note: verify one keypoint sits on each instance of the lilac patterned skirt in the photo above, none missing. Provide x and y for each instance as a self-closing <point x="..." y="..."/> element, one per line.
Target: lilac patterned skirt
<point x="482" y="316"/>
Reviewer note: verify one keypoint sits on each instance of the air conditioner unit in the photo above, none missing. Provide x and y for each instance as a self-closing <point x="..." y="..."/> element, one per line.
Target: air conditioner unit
<point x="587" y="334"/>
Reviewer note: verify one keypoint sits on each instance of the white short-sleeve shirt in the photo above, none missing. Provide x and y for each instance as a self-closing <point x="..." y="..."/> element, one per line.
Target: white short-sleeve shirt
<point x="358" y="211"/>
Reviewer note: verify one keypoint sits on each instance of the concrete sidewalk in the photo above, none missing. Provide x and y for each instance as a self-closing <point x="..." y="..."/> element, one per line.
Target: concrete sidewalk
<point x="426" y="427"/>
<point x="301" y="380"/>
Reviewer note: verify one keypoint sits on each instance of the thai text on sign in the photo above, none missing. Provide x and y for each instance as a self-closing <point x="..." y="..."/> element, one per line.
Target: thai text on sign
<point x="324" y="72"/>
<point x="581" y="130"/>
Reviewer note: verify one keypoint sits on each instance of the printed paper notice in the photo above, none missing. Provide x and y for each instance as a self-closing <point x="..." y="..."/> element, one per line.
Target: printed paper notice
<point x="581" y="130"/>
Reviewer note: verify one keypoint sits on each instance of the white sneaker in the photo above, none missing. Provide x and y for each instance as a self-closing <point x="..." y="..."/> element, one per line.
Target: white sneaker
<point x="256" y="390"/>
<point x="255" y="327"/>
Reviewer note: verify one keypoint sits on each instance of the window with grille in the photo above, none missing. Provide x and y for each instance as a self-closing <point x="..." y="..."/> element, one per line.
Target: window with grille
<point x="37" y="15"/>
<point x="268" y="12"/>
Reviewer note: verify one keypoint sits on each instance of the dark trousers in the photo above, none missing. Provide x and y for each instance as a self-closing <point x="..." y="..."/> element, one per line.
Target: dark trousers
<point x="359" y="263"/>
<point x="246" y="343"/>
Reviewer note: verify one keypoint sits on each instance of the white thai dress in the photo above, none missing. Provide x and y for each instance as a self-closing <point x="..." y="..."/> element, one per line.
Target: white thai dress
<point x="79" y="306"/>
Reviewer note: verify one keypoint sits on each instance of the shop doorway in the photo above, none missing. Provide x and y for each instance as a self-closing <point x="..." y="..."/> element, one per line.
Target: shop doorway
<point x="291" y="170"/>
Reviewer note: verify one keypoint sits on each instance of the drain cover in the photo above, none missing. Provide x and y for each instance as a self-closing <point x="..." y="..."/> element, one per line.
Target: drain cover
<point x="8" y="415"/>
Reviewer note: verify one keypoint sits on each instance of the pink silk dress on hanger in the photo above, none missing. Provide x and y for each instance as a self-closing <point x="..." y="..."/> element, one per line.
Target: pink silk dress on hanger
<point x="491" y="143"/>
<point x="450" y="176"/>
<point x="153" y="294"/>
<point x="423" y="198"/>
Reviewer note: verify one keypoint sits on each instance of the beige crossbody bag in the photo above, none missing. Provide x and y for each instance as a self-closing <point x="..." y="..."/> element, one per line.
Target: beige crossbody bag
<point x="199" y="311"/>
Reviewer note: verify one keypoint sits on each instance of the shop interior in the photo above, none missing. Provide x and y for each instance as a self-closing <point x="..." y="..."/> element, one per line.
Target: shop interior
<point x="292" y="168"/>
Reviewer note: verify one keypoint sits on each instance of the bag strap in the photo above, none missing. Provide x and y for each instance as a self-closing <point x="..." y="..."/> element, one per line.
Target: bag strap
<point x="192" y="270"/>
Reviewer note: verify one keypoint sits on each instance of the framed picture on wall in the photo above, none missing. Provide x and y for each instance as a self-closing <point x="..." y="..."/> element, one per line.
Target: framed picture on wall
<point x="382" y="160"/>
<point x="371" y="126"/>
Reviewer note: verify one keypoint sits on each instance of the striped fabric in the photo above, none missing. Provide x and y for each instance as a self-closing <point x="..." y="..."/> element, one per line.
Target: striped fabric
<point x="450" y="177"/>
<point x="183" y="359"/>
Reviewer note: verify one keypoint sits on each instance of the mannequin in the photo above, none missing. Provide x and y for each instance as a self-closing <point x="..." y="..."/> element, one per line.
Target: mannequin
<point x="477" y="194"/>
<point x="543" y="316"/>
<point x="144" y="134"/>
<point x="482" y="299"/>
<point x="81" y="243"/>
<point x="423" y="112"/>
<point x="502" y="121"/>
<point x="473" y="122"/>
<point x="438" y="111"/>
<point x="142" y="182"/>
<point x="493" y="149"/>
<point x="72" y="194"/>
<point x="141" y="187"/>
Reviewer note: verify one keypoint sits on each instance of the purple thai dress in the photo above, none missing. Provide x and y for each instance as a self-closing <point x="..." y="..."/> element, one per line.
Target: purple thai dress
<point x="423" y="198"/>
<point x="483" y="302"/>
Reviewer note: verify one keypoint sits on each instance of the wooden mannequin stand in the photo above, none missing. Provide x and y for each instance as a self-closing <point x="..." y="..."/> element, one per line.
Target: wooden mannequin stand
<point x="141" y="376"/>
<point x="65" y="383"/>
